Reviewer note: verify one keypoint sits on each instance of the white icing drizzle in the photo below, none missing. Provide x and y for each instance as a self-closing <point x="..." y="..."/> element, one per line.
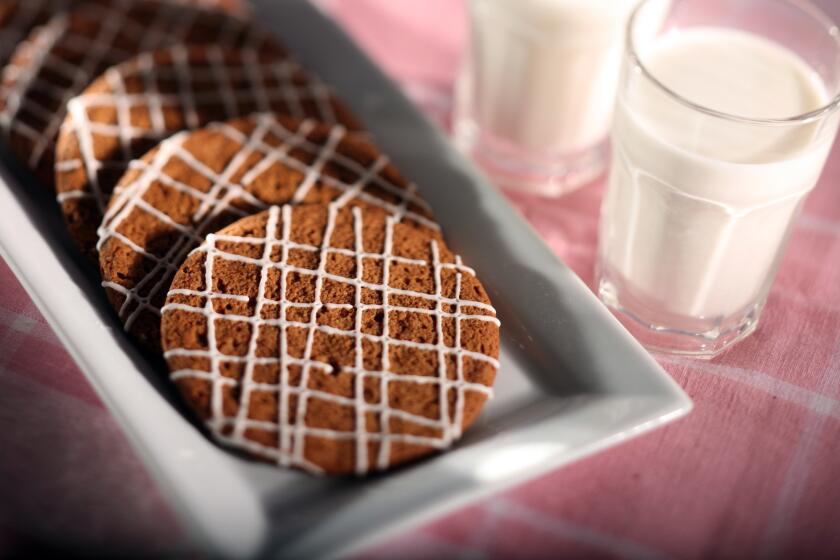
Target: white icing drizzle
<point x="362" y="463"/>
<point x="385" y="415"/>
<point x="292" y="437"/>
<point x="37" y="50"/>
<point x="26" y="15"/>
<point x="204" y="79"/>
<point x="219" y="199"/>
<point x="170" y="23"/>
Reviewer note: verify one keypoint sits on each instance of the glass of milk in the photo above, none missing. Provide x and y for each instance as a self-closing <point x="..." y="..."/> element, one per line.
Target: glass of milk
<point x="535" y="96"/>
<point x="724" y="119"/>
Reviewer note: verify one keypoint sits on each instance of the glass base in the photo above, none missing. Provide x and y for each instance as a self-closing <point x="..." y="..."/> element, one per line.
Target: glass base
<point x="667" y="333"/>
<point x="520" y="169"/>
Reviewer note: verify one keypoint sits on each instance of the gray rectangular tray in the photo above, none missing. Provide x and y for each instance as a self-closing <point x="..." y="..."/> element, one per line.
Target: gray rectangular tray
<point x="572" y="380"/>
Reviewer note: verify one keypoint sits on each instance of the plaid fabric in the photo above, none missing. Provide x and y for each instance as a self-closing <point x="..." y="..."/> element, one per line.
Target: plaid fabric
<point x="752" y="472"/>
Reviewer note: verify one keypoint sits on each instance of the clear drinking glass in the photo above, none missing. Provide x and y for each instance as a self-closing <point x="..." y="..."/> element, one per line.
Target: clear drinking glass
<point x="700" y="202"/>
<point x="537" y="88"/>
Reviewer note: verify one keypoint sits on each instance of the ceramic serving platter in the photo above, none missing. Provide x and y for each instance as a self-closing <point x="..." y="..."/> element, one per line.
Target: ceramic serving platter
<point x="572" y="380"/>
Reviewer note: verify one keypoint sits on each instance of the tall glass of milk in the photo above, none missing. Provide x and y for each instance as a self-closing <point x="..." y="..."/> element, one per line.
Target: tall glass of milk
<point x="724" y="120"/>
<point x="536" y="92"/>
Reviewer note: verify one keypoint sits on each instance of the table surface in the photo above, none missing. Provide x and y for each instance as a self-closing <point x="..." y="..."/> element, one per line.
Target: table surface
<point x="752" y="472"/>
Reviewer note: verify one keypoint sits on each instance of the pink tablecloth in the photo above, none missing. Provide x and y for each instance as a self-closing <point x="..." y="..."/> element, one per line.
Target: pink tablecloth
<point x="753" y="471"/>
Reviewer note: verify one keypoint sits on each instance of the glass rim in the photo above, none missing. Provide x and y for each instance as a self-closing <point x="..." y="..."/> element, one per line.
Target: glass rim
<point x="826" y="22"/>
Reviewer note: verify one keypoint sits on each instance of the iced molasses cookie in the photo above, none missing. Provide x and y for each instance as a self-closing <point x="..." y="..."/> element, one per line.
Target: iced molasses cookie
<point x="197" y="182"/>
<point x="132" y="106"/>
<point x="59" y="59"/>
<point x="336" y="340"/>
<point x="19" y="17"/>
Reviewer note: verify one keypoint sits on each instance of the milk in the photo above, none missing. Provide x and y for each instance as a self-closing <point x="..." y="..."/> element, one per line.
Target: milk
<point x="546" y="71"/>
<point x="698" y="207"/>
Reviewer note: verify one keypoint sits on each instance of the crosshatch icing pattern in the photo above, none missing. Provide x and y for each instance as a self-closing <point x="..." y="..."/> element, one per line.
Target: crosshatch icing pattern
<point x="59" y="59"/>
<point x="332" y="339"/>
<point x="197" y="182"/>
<point x="19" y="17"/>
<point x="134" y="105"/>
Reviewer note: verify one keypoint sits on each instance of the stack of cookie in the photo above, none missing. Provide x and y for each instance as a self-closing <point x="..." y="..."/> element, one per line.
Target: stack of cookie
<point x="296" y="283"/>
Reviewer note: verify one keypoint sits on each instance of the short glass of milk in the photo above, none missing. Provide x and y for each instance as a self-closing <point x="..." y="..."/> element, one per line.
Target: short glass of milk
<point x="536" y="91"/>
<point x="724" y="119"/>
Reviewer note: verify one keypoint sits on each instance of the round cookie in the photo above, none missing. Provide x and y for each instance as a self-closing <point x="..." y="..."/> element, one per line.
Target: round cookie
<point x="19" y="17"/>
<point x="197" y="182"/>
<point x="336" y="340"/>
<point x="134" y="105"/>
<point x="59" y="59"/>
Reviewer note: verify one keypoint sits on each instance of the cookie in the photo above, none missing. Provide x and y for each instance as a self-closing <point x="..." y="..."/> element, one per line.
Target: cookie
<point x="197" y="182"/>
<point x="336" y="340"/>
<point x="19" y="17"/>
<point x="58" y="60"/>
<point x="134" y="105"/>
